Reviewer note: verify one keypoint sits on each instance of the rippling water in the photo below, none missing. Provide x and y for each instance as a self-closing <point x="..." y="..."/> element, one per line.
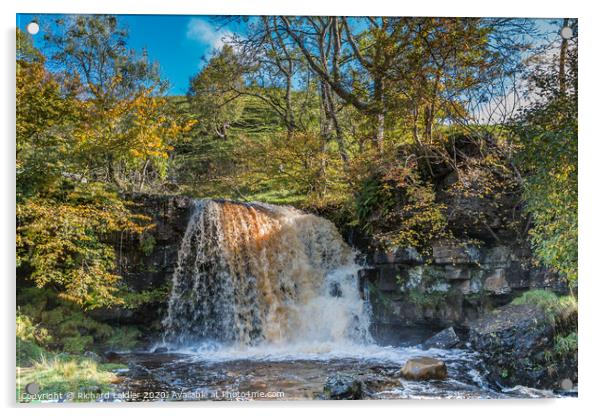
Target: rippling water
<point x="298" y="372"/>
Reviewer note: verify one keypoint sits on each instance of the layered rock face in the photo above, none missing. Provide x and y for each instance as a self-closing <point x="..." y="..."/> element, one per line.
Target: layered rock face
<point x="454" y="285"/>
<point x="146" y="263"/>
<point x="515" y="342"/>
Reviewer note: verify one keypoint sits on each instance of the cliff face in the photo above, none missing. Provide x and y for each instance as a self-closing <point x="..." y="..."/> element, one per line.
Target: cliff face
<point x="146" y="263"/>
<point x="457" y="283"/>
<point x="484" y="263"/>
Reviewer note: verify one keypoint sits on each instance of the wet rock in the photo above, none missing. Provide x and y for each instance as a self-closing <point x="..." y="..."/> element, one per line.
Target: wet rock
<point x="424" y="368"/>
<point x="444" y="339"/>
<point x="90" y="390"/>
<point x="497" y="256"/>
<point x="151" y="267"/>
<point x="389" y="278"/>
<point x="457" y="273"/>
<point x="343" y="387"/>
<point x="110" y="355"/>
<point x="517" y="274"/>
<point x="137" y="371"/>
<point x="514" y="341"/>
<point x="470" y="287"/>
<point x="544" y="278"/>
<point x="160" y="350"/>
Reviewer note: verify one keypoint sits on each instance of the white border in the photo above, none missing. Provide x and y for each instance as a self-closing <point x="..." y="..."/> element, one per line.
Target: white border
<point x="590" y="151"/>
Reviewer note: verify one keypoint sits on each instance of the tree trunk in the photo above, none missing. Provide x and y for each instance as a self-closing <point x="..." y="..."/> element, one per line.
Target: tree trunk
<point x="332" y="120"/>
<point x="379" y="98"/>
<point x="561" y="70"/>
<point x="143" y="175"/>
<point x="380" y="132"/>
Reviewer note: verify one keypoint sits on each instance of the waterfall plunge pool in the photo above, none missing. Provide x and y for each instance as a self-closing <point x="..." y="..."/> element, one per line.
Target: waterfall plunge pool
<point x="278" y="289"/>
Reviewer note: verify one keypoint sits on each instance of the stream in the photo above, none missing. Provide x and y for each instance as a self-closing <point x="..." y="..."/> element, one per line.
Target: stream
<point x="221" y="373"/>
<point x="266" y="305"/>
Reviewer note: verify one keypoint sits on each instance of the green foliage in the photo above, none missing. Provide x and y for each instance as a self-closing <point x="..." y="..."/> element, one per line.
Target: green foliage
<point x="64" y="325"/>
<point x="125" y="128"/>
<point x="363" y="123"/>
<point x="45" y="111"/>
<point x="65" y="240"/>
<point x="71" y="140"/>
<point x="561" y="312"/>
<point x="214" y="91"/>
<point x="371" y="197"/>
<point x="55" y="324"/>
<point x="547" y="132"/>
<point x="426" y="300"/>
<point x="134" y="300"/>
<point x="566" y="345"/>
<point x="27" y="331"/>
<point x="399" y="208"/>
<point x="28" y="352"/>
<point x="147" y="244"/>
<point x="77" y="344"/>
<point x="123" y="338"/>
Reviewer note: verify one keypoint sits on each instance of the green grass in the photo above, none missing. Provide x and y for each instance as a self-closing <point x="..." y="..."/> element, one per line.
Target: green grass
<point x="28" y="352"/>
<point x="53" y="324"/>
<point x="554" y="306"/>
<point x="280" y="197"/>
<point x="66" y="375"/>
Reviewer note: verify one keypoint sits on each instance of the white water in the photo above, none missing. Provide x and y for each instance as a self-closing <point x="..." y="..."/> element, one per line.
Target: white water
<point x="256" y="280"/>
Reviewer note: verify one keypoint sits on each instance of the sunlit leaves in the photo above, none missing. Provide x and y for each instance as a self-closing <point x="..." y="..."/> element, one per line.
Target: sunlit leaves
<point x="66" y="243"/>
<point x="547" y="133"/>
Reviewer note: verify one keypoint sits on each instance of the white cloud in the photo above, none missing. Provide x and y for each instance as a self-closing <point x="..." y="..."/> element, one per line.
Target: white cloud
<point x="206" y="33"/>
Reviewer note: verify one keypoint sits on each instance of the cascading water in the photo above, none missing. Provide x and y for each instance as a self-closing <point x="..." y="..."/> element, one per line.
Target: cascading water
<point x="266" y="299"/>
<point x="254" y="273"/>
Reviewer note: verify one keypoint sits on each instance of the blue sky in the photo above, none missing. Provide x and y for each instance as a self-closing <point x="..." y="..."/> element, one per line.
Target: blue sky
<point x="178" y="43"/>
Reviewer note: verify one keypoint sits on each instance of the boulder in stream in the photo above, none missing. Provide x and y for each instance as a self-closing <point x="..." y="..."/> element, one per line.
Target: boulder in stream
<point x="138" y="371"/>
<point x="343" y="387"/>
<point x="443" y="340"/>
<point x="424" y="368"/>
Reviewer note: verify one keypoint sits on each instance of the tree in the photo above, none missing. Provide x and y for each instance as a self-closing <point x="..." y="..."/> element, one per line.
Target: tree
<point x="126" y="125"/>
<point x="214" y="92"/>
<point x="44" y="116"/>
<point x="547" y="134"/>
<point x="64" y="220"/>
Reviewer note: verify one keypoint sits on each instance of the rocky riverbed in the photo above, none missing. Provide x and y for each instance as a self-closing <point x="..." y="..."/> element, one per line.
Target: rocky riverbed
<point x="374" y="373"/>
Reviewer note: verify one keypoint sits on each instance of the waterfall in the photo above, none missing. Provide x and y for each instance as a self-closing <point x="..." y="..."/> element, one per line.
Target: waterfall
<point x="254" y="273"/>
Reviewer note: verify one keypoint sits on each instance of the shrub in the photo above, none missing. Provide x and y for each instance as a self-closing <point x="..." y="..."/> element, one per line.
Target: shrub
<point x="399" y="208"/>
<point x="147" y="244"/>
<point x="55" y="324"/>
<point x="123" y="338"/>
